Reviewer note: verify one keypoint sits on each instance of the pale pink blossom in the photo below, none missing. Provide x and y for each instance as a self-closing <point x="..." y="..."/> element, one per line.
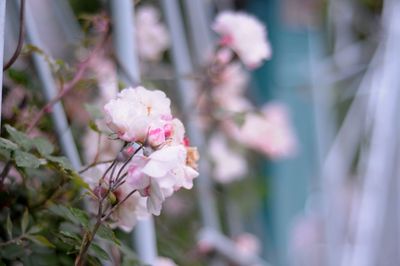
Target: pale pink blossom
<point x="130" y="211"/>
<point x="246" y="35"/>
<point x="160" y="174"/>
<point x="135" y="111"/>
<point x="248" y="244"/>
<point x="151" y="34"/>
<point x="229" y="90"/>
<point x="163" y="261"/>
<point x="229" y="165"/>
<point x="270" y="132"/>
<point x="168" y="166"/>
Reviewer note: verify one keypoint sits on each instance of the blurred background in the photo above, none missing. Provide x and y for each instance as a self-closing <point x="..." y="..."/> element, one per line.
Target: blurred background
<point x="335" y="65"/>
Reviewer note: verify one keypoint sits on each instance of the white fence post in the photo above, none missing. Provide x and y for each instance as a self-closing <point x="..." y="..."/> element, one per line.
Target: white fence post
<point x="50" y="91"/>
<point x="125" y="48"/>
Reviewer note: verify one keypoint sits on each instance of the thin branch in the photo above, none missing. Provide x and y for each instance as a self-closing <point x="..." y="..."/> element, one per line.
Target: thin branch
<point x="94" y="164"/>
<point x="66" y="88"/>
<point x="20" y="38"/>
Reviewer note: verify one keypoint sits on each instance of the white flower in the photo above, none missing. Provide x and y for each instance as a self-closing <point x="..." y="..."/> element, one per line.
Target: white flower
<point x="131" y="211"/>
<point x="245" y="35"/>
<point x="162" y="261"/>
<point x="168" y="166"/>
<point x="270" y="133"/>
<point x="152" y="36"/>
<point x="229" y="165"/>
<point x="159" y="175"/>
<point x="136" y="111"/>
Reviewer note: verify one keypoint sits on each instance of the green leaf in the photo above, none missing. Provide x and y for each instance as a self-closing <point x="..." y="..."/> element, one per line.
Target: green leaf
<point x="41" y="240"/>
<point x="43" y="146"/>
<point x="9" y="226"/>
<point x="19" y="77"/>
<point x="61" y="161"/>
<point x="25" y="221"/>
<point x="98" y="251"/>
<point x="7" y="144"/>
<point x="71" y="239"/>
<point x="34" y="229"/>
<point x="107" y="233"/>
<point x="93" y="126"/>
<point x="12" y="251"/>
<point x="20" y="138"/>
<point x="74" y="215"/>
<point x="27" y="160"/>
<point x="94" y="111"/>
<point x="78" y="180"/>
<point x="6" y="154"/>
<point x="81" y="216"/>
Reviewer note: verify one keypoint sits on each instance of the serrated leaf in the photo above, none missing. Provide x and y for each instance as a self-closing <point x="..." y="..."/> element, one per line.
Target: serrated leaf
<point x="8" y="144"/>
<point x="25" y="221"/>
<point x="43" y="146"/>
<point x="9" y="226"/>
<point x="94" y="111"/>
<point x="19" y="137"/>
<point x="98" y="251"/>
<point x="27" y="160"/>
<point x="107" y="233"/>
<point x="41" y="240"/>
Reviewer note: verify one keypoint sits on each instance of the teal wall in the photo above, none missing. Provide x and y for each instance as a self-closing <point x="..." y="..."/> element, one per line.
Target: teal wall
<point x="286" y="78"/>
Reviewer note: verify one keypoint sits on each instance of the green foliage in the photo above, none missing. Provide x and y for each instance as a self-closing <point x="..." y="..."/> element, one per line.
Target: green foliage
<point x="107" y="233"/>
<point x="99" y="252"/>
<point x="41" y="240"/>
<point x="74" y="215"/>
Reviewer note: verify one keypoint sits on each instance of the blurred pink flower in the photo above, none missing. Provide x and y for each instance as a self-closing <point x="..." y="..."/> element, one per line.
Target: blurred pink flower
<point x="228" y="164"/>
<point x="151" y="34"/>
<point x="248" y="244"/>
<point x="246" y="35"/>
<point x="270" y="132"/>
<point x="228" y="92"/>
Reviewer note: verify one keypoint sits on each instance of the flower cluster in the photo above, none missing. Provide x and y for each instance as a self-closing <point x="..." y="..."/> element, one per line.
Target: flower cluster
<point x="151" y="34"/>
<point x="157" y="159"/>
<point x="245" y="35"/>
<point x="267" y="131"/>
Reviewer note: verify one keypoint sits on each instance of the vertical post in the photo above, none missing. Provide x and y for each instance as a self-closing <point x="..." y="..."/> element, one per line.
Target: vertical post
<point x="382" y="160"/>
<point x="198" y="15"/>
<point x="183" y="66"/>
<point x="2" y="36"/>
<point x="124" y="43"/>
<point x="50" y="91"/>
